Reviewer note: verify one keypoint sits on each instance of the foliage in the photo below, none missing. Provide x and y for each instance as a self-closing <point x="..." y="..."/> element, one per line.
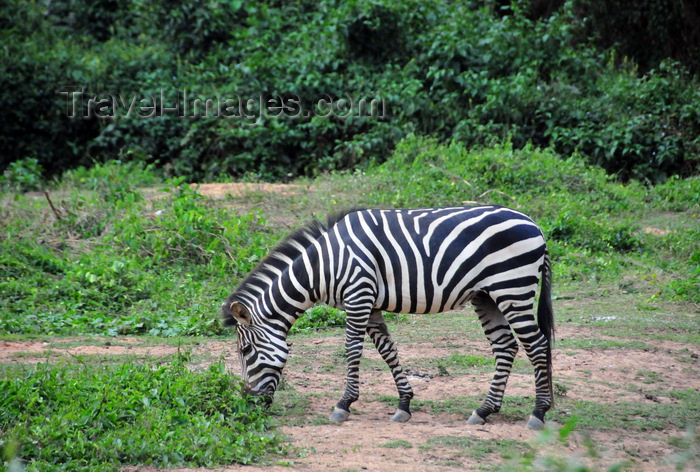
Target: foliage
<point x="105" y="260"/>
<point x="112" y="180"/>
<point x="100" y="417"/>
<point x="192" y="231"/>
<point x="22" y="176"/>
<point x="319" y="316"/>
<point x="291" y="85"/>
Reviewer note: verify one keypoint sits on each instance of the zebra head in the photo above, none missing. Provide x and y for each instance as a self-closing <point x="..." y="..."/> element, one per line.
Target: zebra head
<point x="262" y="353"/>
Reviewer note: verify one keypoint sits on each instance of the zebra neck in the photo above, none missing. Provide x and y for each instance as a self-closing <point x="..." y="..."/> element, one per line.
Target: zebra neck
<point x="285" y="293"/>
<point x="293" y="280"/>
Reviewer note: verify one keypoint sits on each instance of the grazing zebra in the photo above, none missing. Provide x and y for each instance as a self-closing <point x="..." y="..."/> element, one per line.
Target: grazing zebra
<point x="402" y="261"/>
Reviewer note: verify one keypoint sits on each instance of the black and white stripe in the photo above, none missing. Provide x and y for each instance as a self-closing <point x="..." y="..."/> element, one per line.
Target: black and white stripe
<point x="402" y="261"/>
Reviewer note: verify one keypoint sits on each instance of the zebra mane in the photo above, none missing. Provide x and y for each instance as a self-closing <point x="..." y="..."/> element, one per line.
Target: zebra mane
<point x="292" y="246"/>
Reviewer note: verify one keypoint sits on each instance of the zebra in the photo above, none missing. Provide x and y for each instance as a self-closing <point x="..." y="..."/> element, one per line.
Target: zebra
<point x="418" y="261"/>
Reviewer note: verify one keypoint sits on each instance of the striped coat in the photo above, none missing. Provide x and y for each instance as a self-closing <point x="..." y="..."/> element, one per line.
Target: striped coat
<point x="402" y="261"/>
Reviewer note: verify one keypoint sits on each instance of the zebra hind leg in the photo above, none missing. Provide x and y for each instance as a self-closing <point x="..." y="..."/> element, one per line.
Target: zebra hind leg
<point x="504" y="347"/>
<point x="538" y="350"/>
<point x="379" y="333"/>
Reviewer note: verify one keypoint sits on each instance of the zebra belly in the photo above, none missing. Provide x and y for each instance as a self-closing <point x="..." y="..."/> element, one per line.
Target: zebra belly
<point x="421" y="305"/>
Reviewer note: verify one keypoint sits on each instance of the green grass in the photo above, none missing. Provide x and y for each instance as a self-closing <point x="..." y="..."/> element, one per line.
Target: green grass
<point x="462" y="405"/>
<point x="398" y="444"/>
<point x="597" y="344"/>
<point x="99" y="416"/>
<point x="594" y="416"/>
<point x="632" y="416"/>
<point x="479" y="449"/>
<point x="290" y="408"/>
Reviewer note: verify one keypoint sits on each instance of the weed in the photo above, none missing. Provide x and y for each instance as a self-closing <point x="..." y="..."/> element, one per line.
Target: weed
<point x="398" y="444"/>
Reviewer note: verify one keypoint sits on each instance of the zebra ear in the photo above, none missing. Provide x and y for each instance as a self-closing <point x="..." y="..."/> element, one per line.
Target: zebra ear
<point x="240" y="313"/>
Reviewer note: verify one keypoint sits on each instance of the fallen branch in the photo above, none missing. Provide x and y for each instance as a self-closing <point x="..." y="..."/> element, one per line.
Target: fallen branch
<point x="53" y="208"/>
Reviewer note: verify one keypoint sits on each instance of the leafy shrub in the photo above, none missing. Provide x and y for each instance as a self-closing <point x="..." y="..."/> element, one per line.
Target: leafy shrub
<point x="23" y="175"/>
<point x="462" y="70"/>
<point x="319" y="316"/>
<point x="112" y="180"/>
<point x="189" y="230"/>
<point x="423" y="172"/>
<point x="678" y="194"/>
<point x="193" y="28"/>
<point x="37" y="282"/>
<point x="666" y="30"/>
<point x="106" y="416"/>
<point x="592" y="234"/>
<point x="641" y="128"/>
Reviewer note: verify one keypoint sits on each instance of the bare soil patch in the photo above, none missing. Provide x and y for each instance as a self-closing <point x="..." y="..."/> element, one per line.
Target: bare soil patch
<point x="242" y="189"/>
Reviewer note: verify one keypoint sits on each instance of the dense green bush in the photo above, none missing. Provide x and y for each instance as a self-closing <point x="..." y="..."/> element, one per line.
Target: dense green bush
<point x="23" y="175"/>
<point x="465" y="70"/>
<point x="101" y="417"/>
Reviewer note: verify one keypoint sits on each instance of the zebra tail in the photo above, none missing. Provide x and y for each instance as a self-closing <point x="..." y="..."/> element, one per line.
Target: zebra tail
<point x="545" y="315"/>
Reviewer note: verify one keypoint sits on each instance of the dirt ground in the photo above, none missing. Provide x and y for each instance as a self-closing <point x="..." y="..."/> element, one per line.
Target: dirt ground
<point x="362" y="443"/>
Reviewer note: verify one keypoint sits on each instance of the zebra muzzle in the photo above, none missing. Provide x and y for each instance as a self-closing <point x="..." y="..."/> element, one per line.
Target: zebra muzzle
<point x="266" y="397"/>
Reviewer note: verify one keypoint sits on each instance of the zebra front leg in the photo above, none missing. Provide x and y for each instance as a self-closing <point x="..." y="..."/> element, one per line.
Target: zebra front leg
<point x="379" y="333"/>
<point x="354" y="338"/>
<point x="504" y="347"/>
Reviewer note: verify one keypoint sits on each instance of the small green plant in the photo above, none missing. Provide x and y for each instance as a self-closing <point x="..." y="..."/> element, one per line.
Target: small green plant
<point x="22" y="176"/>
<point x="467" y="360"/>
<point x="398" y="444"/>
<point x="479" y="448"/>
<point x="317" y="317"/>
<point x="113" y="180"/>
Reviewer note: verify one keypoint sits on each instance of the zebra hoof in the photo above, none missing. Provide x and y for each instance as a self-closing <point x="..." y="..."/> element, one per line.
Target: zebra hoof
<point x="401" y="416"/>
<point x="339" y="415"/>
<point x="476" y="419"/>
<point x="534" y="423"/>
